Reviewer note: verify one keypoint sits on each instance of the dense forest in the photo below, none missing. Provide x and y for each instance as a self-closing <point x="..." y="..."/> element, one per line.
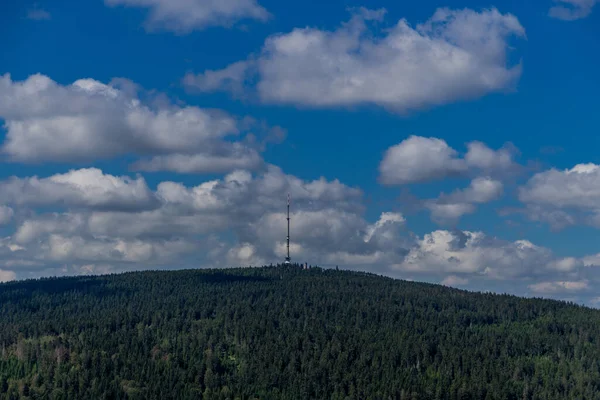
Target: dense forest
<point x="286" y="333"/>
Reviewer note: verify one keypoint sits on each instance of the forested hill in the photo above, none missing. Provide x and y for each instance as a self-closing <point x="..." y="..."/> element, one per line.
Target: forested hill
<point x="286" y="333"/>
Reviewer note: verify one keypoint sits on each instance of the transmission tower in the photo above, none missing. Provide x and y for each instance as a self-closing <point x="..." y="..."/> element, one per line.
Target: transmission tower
<point x="287" y="258"/>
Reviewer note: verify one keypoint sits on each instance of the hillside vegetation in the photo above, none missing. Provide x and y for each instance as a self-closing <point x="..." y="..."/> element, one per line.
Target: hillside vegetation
<point x="286" y="333"/>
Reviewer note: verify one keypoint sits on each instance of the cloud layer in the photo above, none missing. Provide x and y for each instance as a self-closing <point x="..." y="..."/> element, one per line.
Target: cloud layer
<point x="455" y="55"/>
<point x="118" y="224"/>
<point x="101" y="223"/>
<point x="89" y="120"/>
<point x="86" y="188"/>
<point x="86" y="220"/>
<point x="184" y="16"/>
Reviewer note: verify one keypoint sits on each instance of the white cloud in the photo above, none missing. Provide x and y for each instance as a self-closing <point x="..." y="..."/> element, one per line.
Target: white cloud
<point x="455" y="55"/>
<point x="235" y="156"/>
<point x="481" y="190"/>
<point x="592" y="260"/>
<point x="89" y="269"/>
<point x="595" y="302"/>
<point x="244" y="254"/>
<point x="231" y="79"/>
<point x="447" y="209"/>
<point x="7" y="276"/>
<point x="564" y="197"/>
<point x="89" y="120"/>
<point x="76" y="248"/>
<point x="58" y="244"/>
<point x="95" y="233"/>
<point x="576" y="187"/>
<point x="161" y="223"/>
<point x="448" y="213"/>
<point x="32" y="229"/>
<point x="239" y="220"/>
<point x="88" y="187"/>
<point x="453" y="280"/>
<point x="420" y="159"/>
<point x="570" y="10"/>
<point x="557" y="219"/>
<point x="559" y="287"/>
<point x="326" y="216"/>
<point x="330" y="237"/>
<point x="482" y="157"/>
<point x="184" y="16"/>
<point x="476" y="254"/>
<point x="6" y="214"/>
<point x="311" y="229"/>
<point x="566" y="264"/>
<point x="385" y="220"/>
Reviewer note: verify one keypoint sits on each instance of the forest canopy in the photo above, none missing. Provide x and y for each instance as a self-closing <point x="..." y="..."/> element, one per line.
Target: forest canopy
<point x="281" y="332"/>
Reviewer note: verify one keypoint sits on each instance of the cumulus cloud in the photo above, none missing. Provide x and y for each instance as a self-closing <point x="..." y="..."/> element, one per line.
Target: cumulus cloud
<point x="231" y="79"/>
<point x="6" y="214"/>
<point x="481" y="190"/>
<point x="184" y="16"/>
<point x="448" y="213"/>
<point x="236" y="156"/>
<point x="570" y="10"/>
<point x="453" y="280"/>
<point x="447" y="209"/>
<point x="30" y="230"/>
<point x="89" y="120"/>
<point x="327" y="228"/>
<point x="559" y="287"/>
<point x="244" y="194"/>
<point x="477" y="254"/>
<point x="89" y="188"/>
<point x="576" y="187"/>
<point x="421" y="159"/>
<point x="100" y="227"/>
<point x="455" y="55"/>
<point x="7" y="276"/>
<point x="483" y="262"/>
<point x="564" y="197"/>
<point x="71" y="254"/>
<point x="315" y="230"/>
<point x="245" y="254"/>
<point x="386" y="219"/>
<point x="330" y="237"/>
<point x="482" y="157"/>
<point x="76" y="248"/>
<point x="88" y="269"/>
<point x="566" y="264"/>
<point x="591" y="260"/>
<point x="240" y="220"/>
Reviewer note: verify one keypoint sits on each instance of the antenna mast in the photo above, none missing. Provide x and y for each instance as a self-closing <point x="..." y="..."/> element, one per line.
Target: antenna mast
<point x="287" y="259"/>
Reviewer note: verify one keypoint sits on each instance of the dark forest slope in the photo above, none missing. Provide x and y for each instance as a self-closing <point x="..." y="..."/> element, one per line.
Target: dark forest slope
<point x="284" y="333"/>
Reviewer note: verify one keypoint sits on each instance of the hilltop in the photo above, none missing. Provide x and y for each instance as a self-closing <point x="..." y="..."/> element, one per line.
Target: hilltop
<point x="285" y="333"/>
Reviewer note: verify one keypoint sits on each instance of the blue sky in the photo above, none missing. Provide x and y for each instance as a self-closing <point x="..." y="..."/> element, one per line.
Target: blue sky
<point x="153" y="134"/>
